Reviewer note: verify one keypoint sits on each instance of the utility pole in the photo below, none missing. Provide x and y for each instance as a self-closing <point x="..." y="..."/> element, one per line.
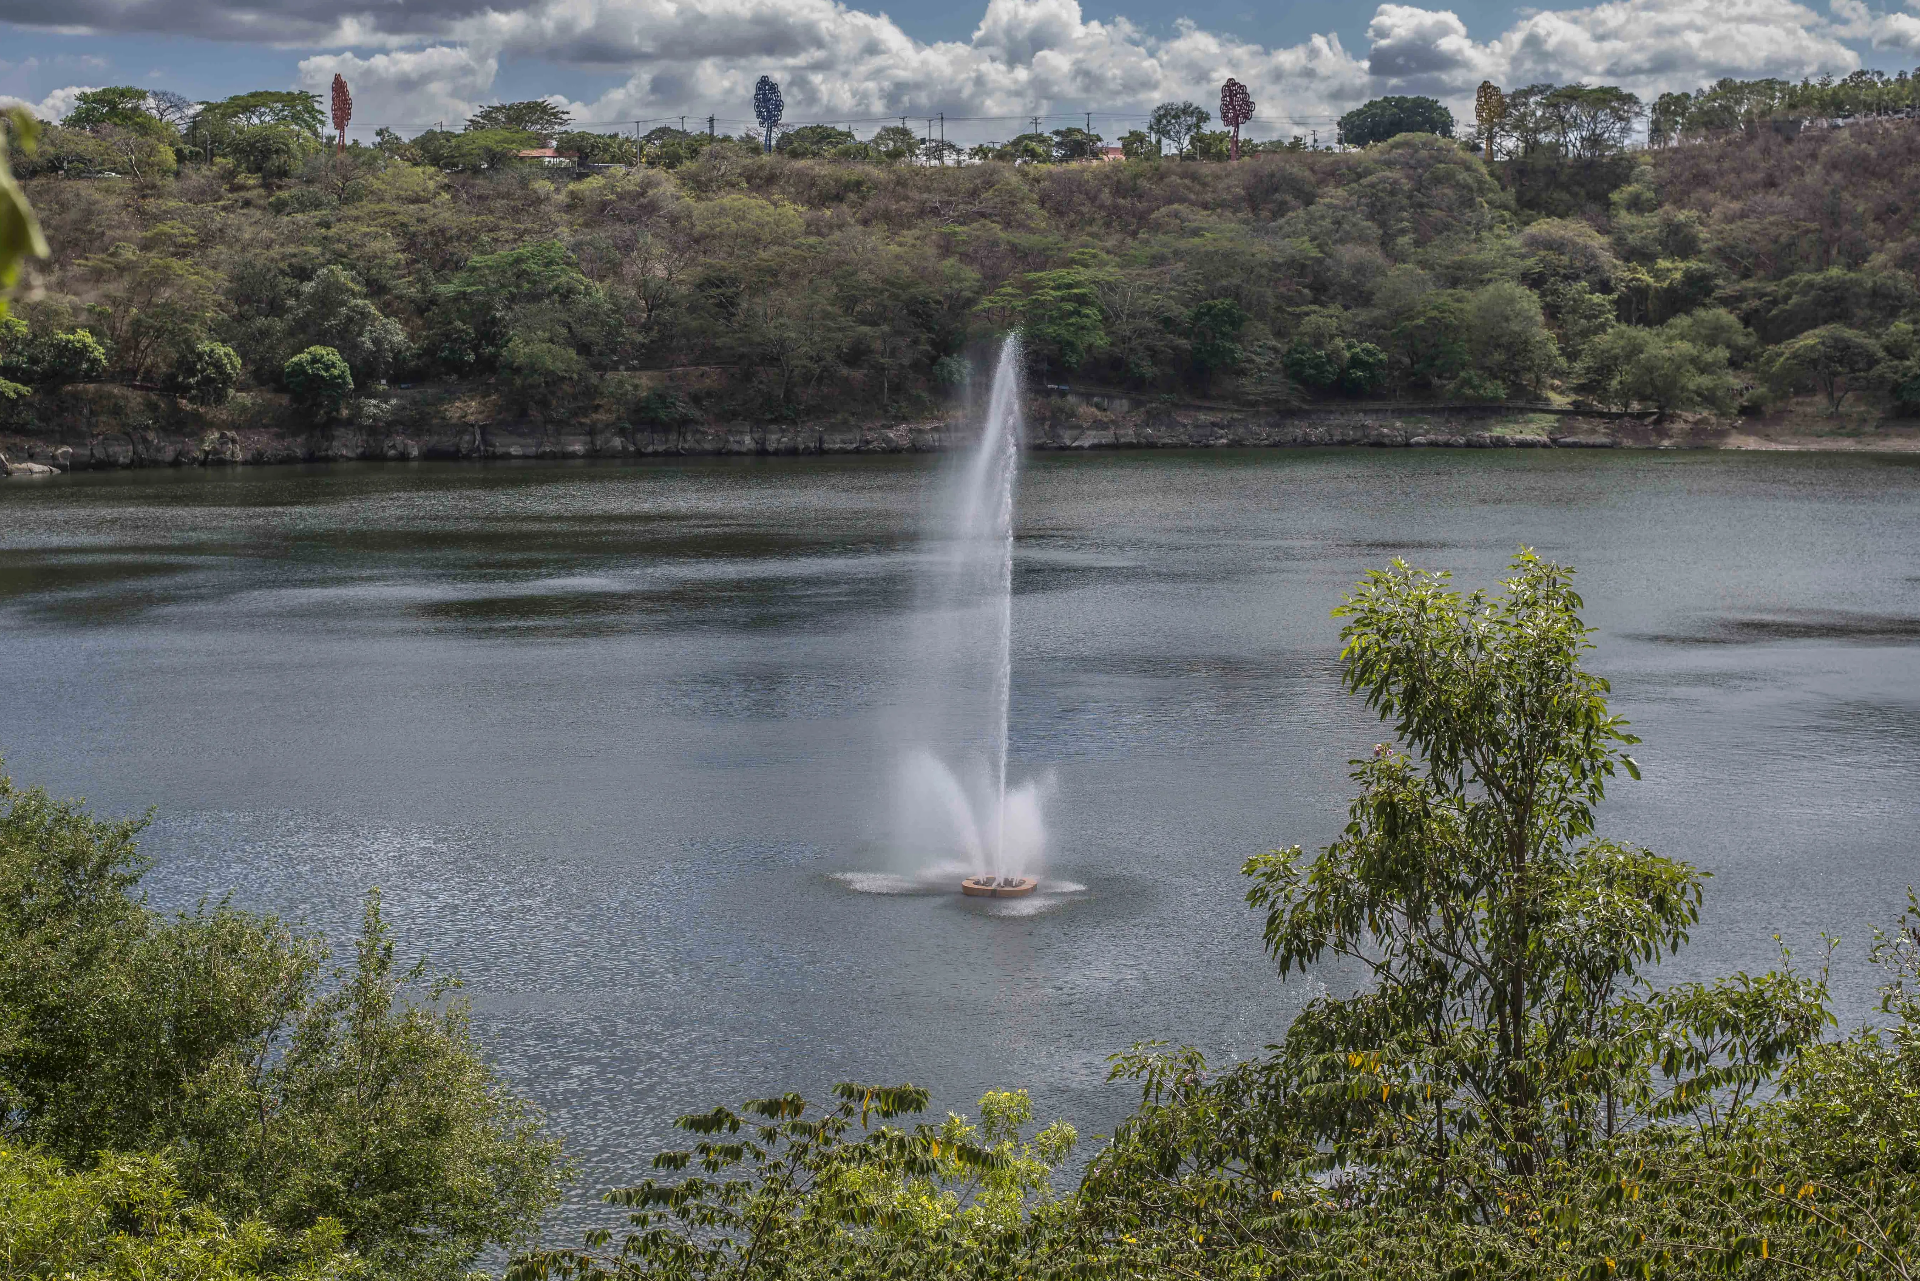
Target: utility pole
<point x="1034" y="123"/>
<point x="710" y="132"/>
<point x="683" y="124"/>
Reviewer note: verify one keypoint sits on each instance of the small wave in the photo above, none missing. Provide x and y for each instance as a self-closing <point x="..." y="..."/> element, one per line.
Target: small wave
<point x="880" y="883"/>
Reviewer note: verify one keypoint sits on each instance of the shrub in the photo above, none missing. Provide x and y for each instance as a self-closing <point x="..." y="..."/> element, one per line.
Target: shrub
<point x="206" y="375"/>
<point x="320" y="381"/>
<point x="536" y="374"/>
<point x="73" y="357"/>
<point x="351" y="1103"/>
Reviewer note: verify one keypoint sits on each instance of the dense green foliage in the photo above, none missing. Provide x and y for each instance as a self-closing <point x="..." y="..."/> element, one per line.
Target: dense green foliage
<point x="320" y="380"/>
<point x="1385" y="118"/>
<point x="843" y="275"/>
<point x="126" y="1219"/>
<point x="317" y="1111"/>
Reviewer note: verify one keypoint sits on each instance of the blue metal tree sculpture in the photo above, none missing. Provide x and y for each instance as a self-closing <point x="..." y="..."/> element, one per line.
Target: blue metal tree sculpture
<point x="768" y="106"/>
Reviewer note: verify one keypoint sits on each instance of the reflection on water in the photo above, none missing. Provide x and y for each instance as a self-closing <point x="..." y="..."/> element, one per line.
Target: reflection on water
<point x="611" y="737"/>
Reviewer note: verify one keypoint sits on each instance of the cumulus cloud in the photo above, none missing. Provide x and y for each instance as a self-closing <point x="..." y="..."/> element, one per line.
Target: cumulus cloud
<point x="439" y="59"/>
<point x="411" y="85"/>
<point x="53" y="106"/>
<point x="1883" y="30"/>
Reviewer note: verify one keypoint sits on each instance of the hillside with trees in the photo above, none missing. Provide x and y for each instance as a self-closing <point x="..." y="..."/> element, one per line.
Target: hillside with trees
<point x="207" y="250"/>
<point x="212" y="248"/>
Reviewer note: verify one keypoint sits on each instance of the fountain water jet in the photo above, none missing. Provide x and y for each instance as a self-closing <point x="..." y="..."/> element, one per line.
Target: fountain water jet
<point x="963" y="670"/>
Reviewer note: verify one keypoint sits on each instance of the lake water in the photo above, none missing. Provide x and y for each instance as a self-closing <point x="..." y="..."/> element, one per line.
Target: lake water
<point x="612" y="737"/>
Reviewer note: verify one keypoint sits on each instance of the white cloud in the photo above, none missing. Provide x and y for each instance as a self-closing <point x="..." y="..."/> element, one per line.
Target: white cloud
<point x="409" y="87"/>
<point x="53" y="106"/>
<point x="1884" y="30"/>
<point x="438" y="59"/>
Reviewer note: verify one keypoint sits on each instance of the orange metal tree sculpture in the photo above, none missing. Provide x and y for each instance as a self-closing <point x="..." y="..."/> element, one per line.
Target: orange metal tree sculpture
<point x="342" y="111"/>
<point x="1236" y="108"/>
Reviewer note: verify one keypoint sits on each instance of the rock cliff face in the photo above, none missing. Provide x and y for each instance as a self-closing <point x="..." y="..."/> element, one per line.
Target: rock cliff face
<point x="109" y="427"/>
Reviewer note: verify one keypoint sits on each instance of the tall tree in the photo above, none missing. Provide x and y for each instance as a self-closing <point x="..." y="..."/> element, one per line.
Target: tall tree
<point x="1489" y="109"/>
<point x="342" y="111"/>
<point x="1236" y="108"/>
<point x="768" y="107"/>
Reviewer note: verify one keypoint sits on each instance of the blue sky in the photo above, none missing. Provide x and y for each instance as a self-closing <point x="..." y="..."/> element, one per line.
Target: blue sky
<point x="986" y="64"/>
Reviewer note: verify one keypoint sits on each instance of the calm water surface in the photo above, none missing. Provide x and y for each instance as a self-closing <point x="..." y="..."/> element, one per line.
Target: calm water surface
<point x="610" y="737"/>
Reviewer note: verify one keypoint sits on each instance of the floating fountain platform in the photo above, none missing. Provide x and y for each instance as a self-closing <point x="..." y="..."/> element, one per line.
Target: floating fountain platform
<point x="1001" y="887"/>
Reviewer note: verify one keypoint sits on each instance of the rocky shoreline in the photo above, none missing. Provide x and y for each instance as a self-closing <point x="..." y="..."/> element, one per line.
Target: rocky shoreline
<point x="116" y="428"/>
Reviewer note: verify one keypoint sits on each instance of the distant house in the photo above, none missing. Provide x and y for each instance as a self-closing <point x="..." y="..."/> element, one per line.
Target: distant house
<point x="548" y="156"/>
<point x="1111" y="153"/>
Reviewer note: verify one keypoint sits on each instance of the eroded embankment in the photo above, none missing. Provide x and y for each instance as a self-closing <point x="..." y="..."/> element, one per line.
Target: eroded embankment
<point x="110" y="427"/>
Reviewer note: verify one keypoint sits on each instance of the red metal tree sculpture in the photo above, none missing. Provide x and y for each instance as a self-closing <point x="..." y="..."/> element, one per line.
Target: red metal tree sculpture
<point x="1236" y="108"/>
<point x="342" y="111"/>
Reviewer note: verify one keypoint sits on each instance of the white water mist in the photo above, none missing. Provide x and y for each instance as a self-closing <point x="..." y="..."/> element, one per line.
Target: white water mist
<point x="953" y="805"/>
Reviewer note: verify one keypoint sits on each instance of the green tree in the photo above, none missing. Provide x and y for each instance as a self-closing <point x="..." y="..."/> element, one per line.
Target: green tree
<point x="1210" y="144"/>
<point x="320" y="380"/>
<point x="1076" y="144"/>
<point x="1833" y="360"/>
<point x="272" y="150"/>
<point x="538" y="117"/>
<point x="72" y="357"/>
<point x="153" y="302"/>
<point x="207" y="374"/>
<point x="1026" y="148"/>
<point x="1175" y="123"/>
<point x="119" y="107"/>
<point x="332" y="310"/>
<point x="811" y="141"/>
<point x="1136" y="144"/>
<point x="1385" y="118"/>
<point x="598" y="148"/>
<point x="539" y="375"/>
<point x="358" y="1109"/>
<point x="1057" y="313"/>
<point x="784" y="1193"/>
<point x="1216" y="326"/>
<point x="128" y="1217"/>
<point x="895" y="144"/>
<point x="476" y="149"/>
<point x="1508" y="337"/>
<point x="20" y="235"/>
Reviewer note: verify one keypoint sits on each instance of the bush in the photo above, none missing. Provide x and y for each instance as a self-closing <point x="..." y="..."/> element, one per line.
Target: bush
<point x="127" y="1217"/>
<point x="73" y="357"/>
<point x="285" y="1094"/>
<point x="320" y="381"/>
<point x="536" y="374"/>
<point x="665" y="408"/>
<point x="206" y="375"/>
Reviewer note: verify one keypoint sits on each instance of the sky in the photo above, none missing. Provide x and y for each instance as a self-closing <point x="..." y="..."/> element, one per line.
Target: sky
<point x="986" y="66"/>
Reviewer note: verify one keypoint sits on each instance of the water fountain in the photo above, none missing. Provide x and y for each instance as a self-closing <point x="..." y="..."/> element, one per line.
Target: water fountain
<point x="953" y="793"/>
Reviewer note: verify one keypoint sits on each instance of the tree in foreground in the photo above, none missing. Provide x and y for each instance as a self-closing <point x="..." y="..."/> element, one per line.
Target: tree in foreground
<point x="1506" y="1080"/>
<point x="782" y="1191"/>
<point x="1385" y="118"/>
<point x="348" y="1109"/>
